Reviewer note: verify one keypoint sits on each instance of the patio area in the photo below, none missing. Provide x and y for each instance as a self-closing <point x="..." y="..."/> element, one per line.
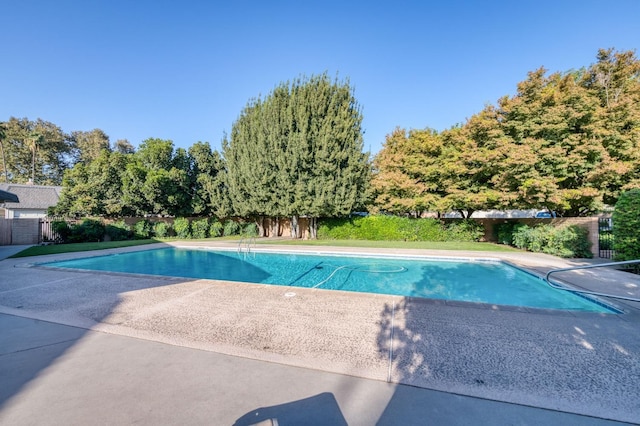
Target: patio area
<point x="565" y="362"/>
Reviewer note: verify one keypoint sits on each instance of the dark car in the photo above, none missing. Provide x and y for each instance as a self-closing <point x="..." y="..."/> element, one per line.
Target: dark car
<point x="545" y="215"/>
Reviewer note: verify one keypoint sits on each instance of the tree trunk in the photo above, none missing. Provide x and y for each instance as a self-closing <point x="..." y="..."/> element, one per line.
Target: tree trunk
<point x="273" y="228"/>
<point x="313" y="228"/>
<point x="294" y="227"/>
<point x="260" y="225"/>
<point x="4" y="164"/>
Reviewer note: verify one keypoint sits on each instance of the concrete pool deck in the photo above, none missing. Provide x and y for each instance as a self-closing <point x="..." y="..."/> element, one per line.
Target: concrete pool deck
<point x="364" y="358"/>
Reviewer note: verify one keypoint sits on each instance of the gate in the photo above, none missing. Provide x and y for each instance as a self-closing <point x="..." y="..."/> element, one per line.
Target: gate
<point x="605" y="237"/>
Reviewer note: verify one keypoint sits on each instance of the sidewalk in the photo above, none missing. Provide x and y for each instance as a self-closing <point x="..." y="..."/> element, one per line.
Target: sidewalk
<point x="6" y="251"/>
<point x="56" y="374"/>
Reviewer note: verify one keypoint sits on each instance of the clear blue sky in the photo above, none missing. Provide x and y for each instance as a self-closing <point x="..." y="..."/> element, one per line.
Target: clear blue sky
<point x="183" y="70"/>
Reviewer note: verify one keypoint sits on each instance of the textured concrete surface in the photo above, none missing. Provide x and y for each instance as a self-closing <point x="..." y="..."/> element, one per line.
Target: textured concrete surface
<point x="55" y="374"/>
<point x="581" y="363"/>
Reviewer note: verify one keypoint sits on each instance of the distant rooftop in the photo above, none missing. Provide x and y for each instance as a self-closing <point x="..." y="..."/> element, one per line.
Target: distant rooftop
<point x="32" y="196"/>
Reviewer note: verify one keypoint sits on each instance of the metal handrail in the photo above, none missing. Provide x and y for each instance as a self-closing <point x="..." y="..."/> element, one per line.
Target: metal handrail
<point x="248" y="242"/>
<point x="594" y="293"/>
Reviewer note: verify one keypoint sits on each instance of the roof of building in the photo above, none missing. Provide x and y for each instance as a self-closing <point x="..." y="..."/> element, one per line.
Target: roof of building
<point x="32" y="196"/>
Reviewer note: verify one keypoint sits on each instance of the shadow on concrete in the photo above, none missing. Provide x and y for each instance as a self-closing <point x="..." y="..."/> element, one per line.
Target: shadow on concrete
<point x="28" y="346"/>
<point x="20" y="336"/>
<point x="566" y="362"/>
<point x="318" y="410"/>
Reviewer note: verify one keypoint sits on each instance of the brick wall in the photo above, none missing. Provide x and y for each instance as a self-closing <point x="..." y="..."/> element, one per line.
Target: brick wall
<point x="19" y="231"/>
<point x="25" y="231"/>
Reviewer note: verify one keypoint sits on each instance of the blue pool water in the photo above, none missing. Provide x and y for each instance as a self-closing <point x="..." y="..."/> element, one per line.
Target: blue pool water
<point x="472" y="281"/>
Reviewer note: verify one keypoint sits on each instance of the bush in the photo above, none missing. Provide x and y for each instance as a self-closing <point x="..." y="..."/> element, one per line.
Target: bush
<point x="142" y="229"/>
<point x="216" y="228"/>
<point x="89" y="230"/>
<point x="61" y="228"/>
<point x="200" y="228"/>
<point x="626" y="226"/>
<point x="231" y="228"/>
<point x="250" y="230"/>
<point x="118" y="231"/>
<point x="394" y="228"/>
<point x="504" y="232"/>
<point x="464" y="230"/>
<point x="182" y="227"/>
<point x="567" y="241"/>
<point x="161" y="229"/>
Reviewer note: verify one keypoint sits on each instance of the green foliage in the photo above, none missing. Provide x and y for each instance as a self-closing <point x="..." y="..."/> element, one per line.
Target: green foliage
<point x="464" y="230"/>
<point x="200" y="228"/>
<point x="231" y="227"/>
<point x="161" y="229"/>
<point x="61" y="228"/>
<point x="87" y="231"/>
<point x="118" y="231"/>
<point x="504" y="232"/>
<point x="298" y="152"/>
<point x="34" y="150"/>
<point x="566" y="142"/>
<point x="250" y="230"/>
<point x="142" y="229"/>
<point x="394" y="228"/>
<point x="626" y="226"/>
<point x="182" y="227"/>
<point x="568" y="241"/>
<point x="216" y="228"/>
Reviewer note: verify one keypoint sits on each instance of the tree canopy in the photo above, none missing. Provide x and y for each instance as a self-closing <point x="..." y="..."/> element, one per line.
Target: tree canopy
<point x="298" y="153"/>
<point x="567" y="142"/>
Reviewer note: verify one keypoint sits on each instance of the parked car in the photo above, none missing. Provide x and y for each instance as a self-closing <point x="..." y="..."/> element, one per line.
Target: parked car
<point x="545" y="215"/>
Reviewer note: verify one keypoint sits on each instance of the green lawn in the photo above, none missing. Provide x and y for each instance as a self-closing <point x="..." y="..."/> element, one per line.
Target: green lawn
<point x="425" y="245"/>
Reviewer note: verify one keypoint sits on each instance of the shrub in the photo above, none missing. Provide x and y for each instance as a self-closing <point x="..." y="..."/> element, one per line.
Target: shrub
<point x="161" y="229"/>
<point x="142" y="229"/>
<point x="250" y="230"/>
<point x="394" y="228"/>
<point x="182" y="227"/>
<point x="216" y="228"/>
<point x="118" y="231"/>
<point x="200" y="228"/>
<point x="89" y="230"/>
<point x="61" y="228"/>
<point x="504" y="232"/>
<point x="464" y="230"/>
<point x="567" y="241"/>
<point x="626" y="226"/>
<point x="231" y="228"/>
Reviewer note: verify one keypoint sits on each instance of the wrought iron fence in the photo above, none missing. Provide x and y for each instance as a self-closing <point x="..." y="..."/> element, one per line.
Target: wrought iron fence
<point x="605" y="238"/>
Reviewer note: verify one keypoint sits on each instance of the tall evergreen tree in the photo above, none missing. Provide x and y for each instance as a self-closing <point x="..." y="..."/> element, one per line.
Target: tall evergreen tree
<point x="298" y="153"/>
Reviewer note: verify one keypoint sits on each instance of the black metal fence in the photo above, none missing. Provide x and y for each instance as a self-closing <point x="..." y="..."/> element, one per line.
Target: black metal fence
<point x="605" y="237"/>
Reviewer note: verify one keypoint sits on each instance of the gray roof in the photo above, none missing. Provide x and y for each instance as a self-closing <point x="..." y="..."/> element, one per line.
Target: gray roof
<point x="32" y="196"/>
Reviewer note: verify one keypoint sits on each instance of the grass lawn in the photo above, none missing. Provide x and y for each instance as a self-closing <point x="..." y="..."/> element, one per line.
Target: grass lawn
<point x="425" y="245"/>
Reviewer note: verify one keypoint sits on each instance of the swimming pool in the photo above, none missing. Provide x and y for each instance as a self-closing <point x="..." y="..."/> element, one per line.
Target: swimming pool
<point x="480" y="281"/>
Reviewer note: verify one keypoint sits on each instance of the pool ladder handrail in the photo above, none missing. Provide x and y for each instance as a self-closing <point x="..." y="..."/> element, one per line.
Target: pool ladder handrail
<point x="249" y="241"/>
<point x="594" y="293"/>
